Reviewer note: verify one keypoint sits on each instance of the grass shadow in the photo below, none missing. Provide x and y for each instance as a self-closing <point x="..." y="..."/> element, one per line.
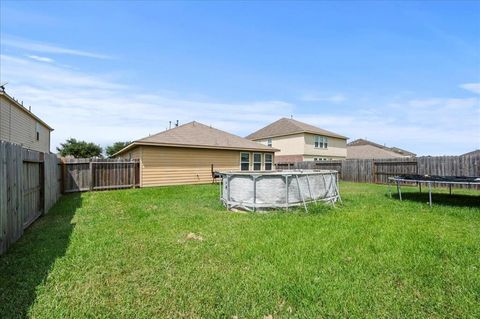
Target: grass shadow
<point x="454" y="200"/>
<point x="28" y="262"/>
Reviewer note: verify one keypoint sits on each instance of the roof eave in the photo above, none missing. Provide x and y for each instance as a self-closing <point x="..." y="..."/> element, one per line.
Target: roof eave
<point x="234" y="148"/>
<point x="23" y="108"/>
<point x="298" y="132"/>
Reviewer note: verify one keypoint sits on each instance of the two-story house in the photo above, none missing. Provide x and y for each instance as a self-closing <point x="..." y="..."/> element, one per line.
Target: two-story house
<point x="19" y="125"/>
<point x="298" y="141"/>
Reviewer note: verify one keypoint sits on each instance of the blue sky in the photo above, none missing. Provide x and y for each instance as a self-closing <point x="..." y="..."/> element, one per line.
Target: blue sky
<point x="401" y="74"/>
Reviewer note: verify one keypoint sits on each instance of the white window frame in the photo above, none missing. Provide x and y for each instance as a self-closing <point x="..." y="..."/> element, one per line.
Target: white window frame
<point x="265" y="162"/>
<point x="256" y="162"/>
<point x="37" y="131"/>
<point x="269" y="142"/>
<point x="244" y="162"/>
<point x="320" y="141"/>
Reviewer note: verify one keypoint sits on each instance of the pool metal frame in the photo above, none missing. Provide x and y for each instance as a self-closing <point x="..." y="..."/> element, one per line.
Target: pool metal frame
<point x="333" y="186"/>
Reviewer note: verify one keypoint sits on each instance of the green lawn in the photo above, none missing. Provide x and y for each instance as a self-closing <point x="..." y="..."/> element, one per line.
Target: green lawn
<point x="125" y="254"/>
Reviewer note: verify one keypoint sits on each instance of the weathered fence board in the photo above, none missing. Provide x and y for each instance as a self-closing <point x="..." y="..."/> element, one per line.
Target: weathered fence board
<point x="28" y="188"/>
<point x="378" y="170"/>
<point x="83" y="174"/>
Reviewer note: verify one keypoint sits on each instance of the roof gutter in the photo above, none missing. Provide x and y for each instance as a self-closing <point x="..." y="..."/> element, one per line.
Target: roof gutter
<point x="126" y="148"/>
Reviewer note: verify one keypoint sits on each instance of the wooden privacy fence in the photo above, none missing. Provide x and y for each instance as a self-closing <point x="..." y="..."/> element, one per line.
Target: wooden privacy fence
<point x="379" y="170"/>
<point x="29" y="186"/>
<point x="84" y="174"/>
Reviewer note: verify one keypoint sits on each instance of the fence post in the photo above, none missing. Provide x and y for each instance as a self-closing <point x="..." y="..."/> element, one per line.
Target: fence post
<point x="90" y="166"/>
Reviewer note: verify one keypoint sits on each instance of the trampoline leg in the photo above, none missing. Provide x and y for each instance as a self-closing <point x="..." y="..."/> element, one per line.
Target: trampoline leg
<point x="390" y="188"/>
<point x="450" y="188"/>
<point x="399" y="191"/>
<point x="430" y="193"/>
<point x="420" y="186"/>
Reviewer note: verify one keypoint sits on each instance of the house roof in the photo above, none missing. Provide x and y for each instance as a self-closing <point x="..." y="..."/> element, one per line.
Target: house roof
<point x="370" y="152"/>
<point x="476" y="152"/>
<point x="402" y="151"/>
<point x="362" y="148"/>
<point x="286" y="126"/>
<point x="23" y="108"/>
<point x="198" y="135"/>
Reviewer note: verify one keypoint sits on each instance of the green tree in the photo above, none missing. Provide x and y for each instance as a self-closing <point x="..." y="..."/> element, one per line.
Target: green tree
<point x="117" y="146"/>
<point x="79" y="149"/>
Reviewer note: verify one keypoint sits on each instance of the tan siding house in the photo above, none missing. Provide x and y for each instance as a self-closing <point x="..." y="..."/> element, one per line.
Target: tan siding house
<point x="189" y="153"/>
<point x="299" y="141"/>
<point x="19" y="125"/>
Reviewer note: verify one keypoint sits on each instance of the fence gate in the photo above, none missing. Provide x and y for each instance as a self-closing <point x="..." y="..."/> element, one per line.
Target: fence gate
<point x="32" y="191"/>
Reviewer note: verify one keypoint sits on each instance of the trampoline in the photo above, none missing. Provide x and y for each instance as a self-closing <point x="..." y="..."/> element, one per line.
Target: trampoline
<point x="429" y="180"/>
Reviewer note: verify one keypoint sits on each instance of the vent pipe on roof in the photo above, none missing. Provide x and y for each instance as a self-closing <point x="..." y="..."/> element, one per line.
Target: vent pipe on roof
<point x="176" y="124"/>
<point x="169" y="124"/>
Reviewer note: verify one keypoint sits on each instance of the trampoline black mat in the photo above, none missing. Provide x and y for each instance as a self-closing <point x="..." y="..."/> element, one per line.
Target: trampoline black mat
<point x="439" y="179"/>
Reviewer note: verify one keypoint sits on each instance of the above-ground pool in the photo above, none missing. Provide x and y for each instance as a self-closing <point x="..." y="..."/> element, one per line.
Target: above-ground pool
<point x="278" y="189"/>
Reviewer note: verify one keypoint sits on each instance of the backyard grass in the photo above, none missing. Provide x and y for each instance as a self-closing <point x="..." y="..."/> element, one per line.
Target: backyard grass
<point x="127" y="254"/>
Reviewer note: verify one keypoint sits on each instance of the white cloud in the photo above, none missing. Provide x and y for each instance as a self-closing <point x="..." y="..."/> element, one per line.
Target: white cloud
<point x="432" y="126"/>
<point x="472" y="87"/>
<point x="40" y="58"/>
<point x="102" y="109"/>
<point x="335" y="98"/>
<point x="28" y="45"/>
<point x="453" y="103"/>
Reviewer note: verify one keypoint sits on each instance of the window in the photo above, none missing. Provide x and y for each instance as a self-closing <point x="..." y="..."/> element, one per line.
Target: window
<point x="269" y="142"/>
<point x="268" y="162"/>
<point x="244" y="161"/>
<point x="37" y="131"/>
<point x="257" y="161"/>
<point x="321" y="141"/>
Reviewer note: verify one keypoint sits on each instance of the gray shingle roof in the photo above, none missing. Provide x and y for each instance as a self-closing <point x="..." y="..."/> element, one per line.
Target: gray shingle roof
<point x="198" y="135"/>
<point x="286" y="126"/>
<point x="361" y="148"/>
<point x="476" y="152"/>
<point x="370" y="152"/>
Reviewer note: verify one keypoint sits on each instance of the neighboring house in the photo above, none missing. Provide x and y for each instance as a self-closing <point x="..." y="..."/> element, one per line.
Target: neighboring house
<point x="188" y="154"/>
<point x="472" y="153"/>
<point x="299" y="141"/>
<point x="364" y="149"/>
<point x="19" y="125"/>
